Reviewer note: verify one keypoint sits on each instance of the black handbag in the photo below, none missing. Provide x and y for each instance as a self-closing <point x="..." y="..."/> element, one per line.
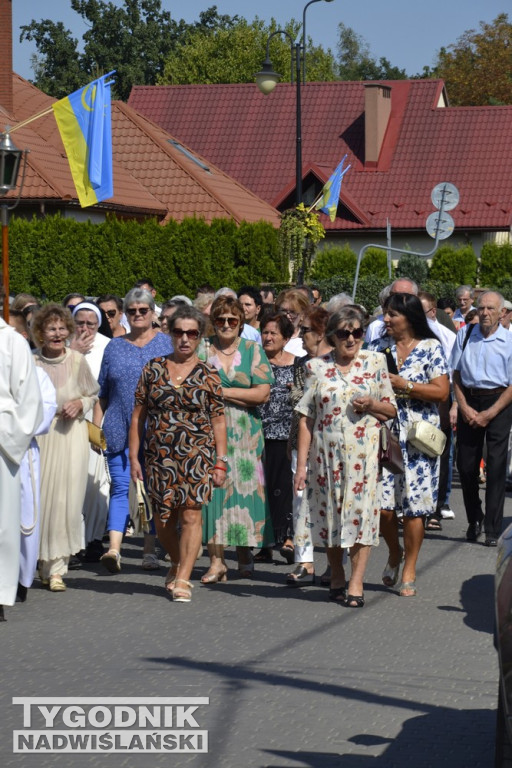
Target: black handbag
<point x="390" y="454"/>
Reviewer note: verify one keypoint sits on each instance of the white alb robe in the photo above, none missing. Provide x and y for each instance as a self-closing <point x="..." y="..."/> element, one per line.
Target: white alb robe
<point x="30" y="486"/>
<point x="21" y="412"/>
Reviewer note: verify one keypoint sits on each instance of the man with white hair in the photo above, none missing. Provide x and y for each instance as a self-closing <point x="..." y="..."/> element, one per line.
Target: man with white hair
<point x="482" y="382"/>
<point x="464" y="296"/>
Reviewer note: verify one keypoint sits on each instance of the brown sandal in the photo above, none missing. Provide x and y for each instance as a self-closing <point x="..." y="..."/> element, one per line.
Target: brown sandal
<point x="182" y="594"/>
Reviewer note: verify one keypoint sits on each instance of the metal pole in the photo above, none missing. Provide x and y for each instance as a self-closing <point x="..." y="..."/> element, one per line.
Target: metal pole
<point x="298" y="140"/>
<point x="5" y="259"/>
<point x="304" y="39"/>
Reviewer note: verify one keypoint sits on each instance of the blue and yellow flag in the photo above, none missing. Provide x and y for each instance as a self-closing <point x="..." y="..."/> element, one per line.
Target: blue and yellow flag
<point x="328" y="202"/>
<point x="84" y="122"/>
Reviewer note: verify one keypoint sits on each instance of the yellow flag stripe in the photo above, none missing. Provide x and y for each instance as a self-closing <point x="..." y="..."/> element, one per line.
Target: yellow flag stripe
<point x="76" y="150"/>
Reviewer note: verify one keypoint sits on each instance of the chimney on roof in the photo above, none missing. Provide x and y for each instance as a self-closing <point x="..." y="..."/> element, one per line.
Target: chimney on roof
<point x="6" y="95"/>
<point x="377" y="109"/>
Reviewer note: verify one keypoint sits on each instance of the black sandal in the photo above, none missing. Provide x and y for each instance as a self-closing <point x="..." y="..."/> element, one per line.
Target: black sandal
<point x="433" y="524"/>
<point x="335" y="593"/>
<point x="357" y="599"/>
<point x="300" y="576"/>
<point x="263" y="556"/>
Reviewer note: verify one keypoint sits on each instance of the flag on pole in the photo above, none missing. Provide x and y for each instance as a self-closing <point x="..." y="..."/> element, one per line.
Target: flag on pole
<point x="85" y="127"/>
<point x="328" y="202"/>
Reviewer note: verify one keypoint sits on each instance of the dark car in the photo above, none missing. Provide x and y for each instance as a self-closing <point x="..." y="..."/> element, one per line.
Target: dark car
<point x="503" y="635"/>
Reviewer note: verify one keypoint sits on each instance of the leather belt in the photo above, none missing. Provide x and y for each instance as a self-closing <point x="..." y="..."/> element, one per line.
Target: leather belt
<point x="474" y="392"/>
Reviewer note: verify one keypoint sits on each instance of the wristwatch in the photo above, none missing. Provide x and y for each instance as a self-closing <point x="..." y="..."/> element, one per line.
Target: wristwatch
<point x="223" y="458"/>
<point x="409" y="387"/>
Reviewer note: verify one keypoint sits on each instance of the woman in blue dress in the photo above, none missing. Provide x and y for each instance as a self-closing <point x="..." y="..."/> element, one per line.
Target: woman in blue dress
<point x="419" y="376"/>
<point x="121" y="367"/>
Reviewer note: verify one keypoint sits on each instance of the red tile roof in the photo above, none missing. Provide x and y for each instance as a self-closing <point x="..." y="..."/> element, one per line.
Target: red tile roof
<point x="252" y="137"/>
<point x="152" y="176"/>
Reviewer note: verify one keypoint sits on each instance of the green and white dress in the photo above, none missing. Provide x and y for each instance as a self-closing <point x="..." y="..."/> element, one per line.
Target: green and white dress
<point x="238" y="514"/>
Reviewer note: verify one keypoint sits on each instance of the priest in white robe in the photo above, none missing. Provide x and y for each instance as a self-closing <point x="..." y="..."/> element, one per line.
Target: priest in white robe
<point x="21" y="412"/>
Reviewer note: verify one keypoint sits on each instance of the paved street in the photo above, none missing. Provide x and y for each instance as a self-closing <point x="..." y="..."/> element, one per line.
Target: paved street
<point x="293" y="680"/>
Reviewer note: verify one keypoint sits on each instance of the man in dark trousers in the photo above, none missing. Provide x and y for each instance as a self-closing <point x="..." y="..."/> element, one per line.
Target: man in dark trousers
<point x="482" y="381"/>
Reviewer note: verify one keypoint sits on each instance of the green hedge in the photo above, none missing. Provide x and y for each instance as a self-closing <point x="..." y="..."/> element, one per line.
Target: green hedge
<point x="53" y="256"/>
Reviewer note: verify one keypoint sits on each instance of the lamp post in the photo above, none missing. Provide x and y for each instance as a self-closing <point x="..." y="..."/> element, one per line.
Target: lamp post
<point x="10" y="158"/>
<point x="304" y="39"/>
<point x="267" y="79"/>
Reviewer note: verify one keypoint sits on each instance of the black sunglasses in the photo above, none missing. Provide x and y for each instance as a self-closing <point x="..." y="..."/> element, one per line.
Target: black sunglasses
<point x="304" y="329"/>
<point x="179" y="333"/>
<point x="343" y="333"/>
<point x="132" y="311"/>
<point x="111" y="312"/>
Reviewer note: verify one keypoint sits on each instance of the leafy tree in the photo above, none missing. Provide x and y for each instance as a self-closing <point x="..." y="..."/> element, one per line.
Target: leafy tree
<point x="57" y="65"/>
<point x="477" y="68"/>
<point x="235" y="50"/>
<point x="334" y="261"/>
<point x="356" y="63"/>
<point x="454" y="265"/>
<point x="412" y="266"/>
<point x="134" y="39"/>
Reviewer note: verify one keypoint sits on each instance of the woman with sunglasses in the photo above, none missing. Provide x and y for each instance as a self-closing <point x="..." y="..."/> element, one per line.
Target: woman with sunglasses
<point x="238" y="514"/>
<point x="181" y="398"/>
<point x="419" y="377"/>
<point x="348" y="394"/>
<point x="123" y="361"/>
<point x="112" y="306"/>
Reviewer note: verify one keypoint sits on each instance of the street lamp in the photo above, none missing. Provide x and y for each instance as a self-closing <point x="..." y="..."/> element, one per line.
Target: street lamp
<point x="267" y="79"/>
<point x="304" y="39"/>
<point x="10" y="159"/>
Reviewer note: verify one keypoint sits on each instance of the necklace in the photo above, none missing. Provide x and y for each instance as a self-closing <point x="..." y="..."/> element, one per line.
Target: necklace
<point x="228" y="354"/>
<point x="190" y="365"/>
<point x="407" y="347"/>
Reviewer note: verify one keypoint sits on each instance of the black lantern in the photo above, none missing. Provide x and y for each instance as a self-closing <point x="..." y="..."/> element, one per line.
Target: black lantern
<point x="10" y="157"/>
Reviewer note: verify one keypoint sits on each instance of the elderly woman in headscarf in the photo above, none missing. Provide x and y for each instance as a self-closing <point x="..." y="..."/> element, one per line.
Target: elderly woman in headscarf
<point x="88" y="320"/>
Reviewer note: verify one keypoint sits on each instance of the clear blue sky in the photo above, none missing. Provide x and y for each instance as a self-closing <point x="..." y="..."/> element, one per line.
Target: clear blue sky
<point x="408" y="33"/>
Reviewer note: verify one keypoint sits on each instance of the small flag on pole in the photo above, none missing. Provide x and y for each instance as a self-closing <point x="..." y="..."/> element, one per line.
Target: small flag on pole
<point x="84" y="122"/>
<point x="328" y="202"/>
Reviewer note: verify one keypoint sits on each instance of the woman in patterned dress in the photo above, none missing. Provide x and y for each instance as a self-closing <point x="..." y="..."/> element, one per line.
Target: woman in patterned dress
<point x="238" y="514"/>
<point x="180" y="397"/>
<point x="276" y="416"/>
<point x="420" y="384"/>
<point x="348" y="394"/>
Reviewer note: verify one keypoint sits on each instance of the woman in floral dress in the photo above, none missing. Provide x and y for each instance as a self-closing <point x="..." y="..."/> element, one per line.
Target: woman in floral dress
<point x="179" y="397"/>
<point x="420" y="384"/>
<point x="238" y="514"/>
<point x="348" y="394"/>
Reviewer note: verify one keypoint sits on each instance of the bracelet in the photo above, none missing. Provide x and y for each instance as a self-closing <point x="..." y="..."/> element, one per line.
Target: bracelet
<point x="222" y="469"/>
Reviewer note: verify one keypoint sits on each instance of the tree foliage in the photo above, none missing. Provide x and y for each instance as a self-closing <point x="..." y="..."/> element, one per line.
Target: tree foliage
<point x="135" y="39"/>
<point x="356" y="63"/>
<point x="454" y="265"/>
<point x="477" y="68"/>
<point x="233" y="52"/>
<point x="413" y="266"/>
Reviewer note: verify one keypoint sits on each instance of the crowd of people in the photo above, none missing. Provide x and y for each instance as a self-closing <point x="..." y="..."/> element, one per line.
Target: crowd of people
<point x="254" y="421"/>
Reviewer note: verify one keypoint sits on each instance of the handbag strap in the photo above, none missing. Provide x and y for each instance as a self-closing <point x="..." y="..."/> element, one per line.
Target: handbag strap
<point x="390" y="361"/>
<point x="468" y="334"/>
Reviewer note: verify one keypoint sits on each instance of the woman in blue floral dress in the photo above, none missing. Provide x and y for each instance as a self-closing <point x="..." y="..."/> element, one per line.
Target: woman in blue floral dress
<point x="420" y="383"/>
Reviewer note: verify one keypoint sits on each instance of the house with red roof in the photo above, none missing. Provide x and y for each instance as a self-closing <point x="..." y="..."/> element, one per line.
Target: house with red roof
<point x="155" y="174"/>
<point x="401" y="137"/>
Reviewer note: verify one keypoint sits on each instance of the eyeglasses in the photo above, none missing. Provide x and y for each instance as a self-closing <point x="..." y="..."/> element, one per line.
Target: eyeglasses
<point x="84" y="322"/>
<point x="111" y="312"/>
<point x="290" y="313"/>
<point x="132" y="311"/>
<point x="179" y="333"/>
<point x="430" y="309"/>
<point x="343" y="333"/>
<point x="220" y="322"/>
<point x="304" y="329"/>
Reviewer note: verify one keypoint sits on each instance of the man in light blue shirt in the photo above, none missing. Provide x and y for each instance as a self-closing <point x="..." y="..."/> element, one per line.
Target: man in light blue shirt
<point x="482" y="380"/>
